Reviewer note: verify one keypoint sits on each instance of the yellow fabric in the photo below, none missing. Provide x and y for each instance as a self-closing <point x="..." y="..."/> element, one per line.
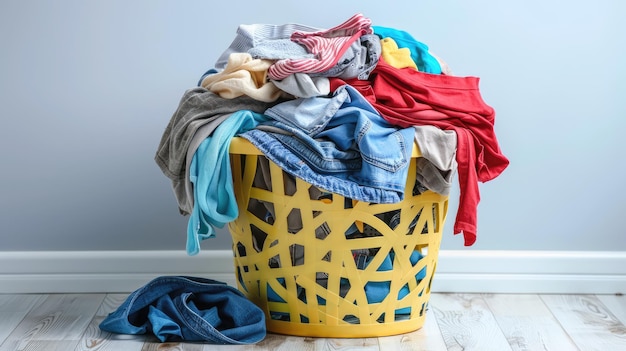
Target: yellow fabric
<point x="396" y="57"/>
<point x="244" y="75"/>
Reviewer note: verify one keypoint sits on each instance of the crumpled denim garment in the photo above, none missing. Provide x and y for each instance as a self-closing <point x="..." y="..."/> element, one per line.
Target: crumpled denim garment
<point x="340" y="144"/>
<point x="177" y="308"/>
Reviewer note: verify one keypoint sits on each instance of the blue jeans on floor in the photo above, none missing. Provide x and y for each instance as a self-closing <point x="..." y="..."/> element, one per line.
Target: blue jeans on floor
<point x="178" y="308"/>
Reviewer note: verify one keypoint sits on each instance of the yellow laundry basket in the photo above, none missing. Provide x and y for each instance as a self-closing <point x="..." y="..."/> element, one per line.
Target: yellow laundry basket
<point x="321" y="265"/>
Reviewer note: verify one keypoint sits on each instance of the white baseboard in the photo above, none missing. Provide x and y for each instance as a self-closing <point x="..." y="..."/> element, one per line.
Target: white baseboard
<point x="564" y="272"/>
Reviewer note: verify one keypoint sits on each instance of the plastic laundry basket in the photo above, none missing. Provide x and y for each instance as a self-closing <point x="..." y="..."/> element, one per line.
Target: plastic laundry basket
<point x="322" y="265"/>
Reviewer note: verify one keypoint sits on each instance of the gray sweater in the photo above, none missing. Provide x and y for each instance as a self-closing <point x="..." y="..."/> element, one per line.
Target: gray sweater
<point x="198" y="114"/>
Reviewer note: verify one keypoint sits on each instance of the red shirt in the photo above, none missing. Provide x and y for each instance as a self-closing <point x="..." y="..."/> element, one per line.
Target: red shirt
<point x="406" y="97"/>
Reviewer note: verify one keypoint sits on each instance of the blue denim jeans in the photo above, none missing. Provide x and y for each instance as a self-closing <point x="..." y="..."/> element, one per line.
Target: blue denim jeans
<point x="340" y="144"/>
<point x="177" y="308"/>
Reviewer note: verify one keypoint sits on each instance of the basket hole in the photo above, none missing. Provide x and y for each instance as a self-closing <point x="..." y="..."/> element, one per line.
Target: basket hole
<point x="258" y="237"/>
<point x="403" y="291"/>
<point x="432" y="220"/>
<point x="262" y="210"/>
<point x="352" y="319"/>
<point x="417" y="256"/>
<point x="280" y="316"/>
<point x="294" y="221"/>
<point x="262" y="178"/>
<point x="301" y="293"/>
<point x="392" y="218"/>
<point x="421" y="275"/>
<point x="322" y="231"/>
<point x="414" y="223"/>
<point x="321" y="278"/>
<point x="361" y="257"/>
<point x="327" y="257"/>
<point x="370" y="232"/>
<point x="359" y="230"/>
<point x="240" y="278"/>
<point x="272" y="295"/>
<point x="435" y="216"/>
<point x="387" y="263"/>
<point x="289" y="184"/>
<point x="241" y="249"/>
<point x="419" y="188"/>
<point x="344" y="287"/>
<point x="377" y="291"/>
<point x="403" y="314"/>
<point x="274" y="262"/>
<point x="316" y="194"/>
<point x="296" y="252"/>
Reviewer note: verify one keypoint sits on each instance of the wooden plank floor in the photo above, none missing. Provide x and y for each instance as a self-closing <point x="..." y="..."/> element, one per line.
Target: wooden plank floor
<point x="483" y="322"/>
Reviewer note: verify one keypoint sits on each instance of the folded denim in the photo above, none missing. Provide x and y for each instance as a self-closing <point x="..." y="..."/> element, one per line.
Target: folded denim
<point x="179" y="308"/>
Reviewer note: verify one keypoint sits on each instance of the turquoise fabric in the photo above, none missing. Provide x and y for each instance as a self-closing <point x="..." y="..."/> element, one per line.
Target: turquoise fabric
<point x="419" y="51"/>
<point x="215" y="203"/>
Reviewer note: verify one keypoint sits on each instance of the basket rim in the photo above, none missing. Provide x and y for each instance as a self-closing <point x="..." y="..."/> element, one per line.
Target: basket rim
<point x="242" y="146"/>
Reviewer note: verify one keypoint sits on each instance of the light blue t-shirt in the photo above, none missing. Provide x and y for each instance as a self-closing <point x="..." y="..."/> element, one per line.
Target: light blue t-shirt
<point x="215" y="203"/>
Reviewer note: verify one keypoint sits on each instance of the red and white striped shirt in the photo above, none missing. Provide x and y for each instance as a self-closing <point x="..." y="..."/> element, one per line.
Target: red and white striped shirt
<point x="328" y="46"/>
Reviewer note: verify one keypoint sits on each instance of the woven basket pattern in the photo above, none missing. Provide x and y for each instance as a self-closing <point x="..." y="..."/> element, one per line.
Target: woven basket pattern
<point x="322" y="265"/>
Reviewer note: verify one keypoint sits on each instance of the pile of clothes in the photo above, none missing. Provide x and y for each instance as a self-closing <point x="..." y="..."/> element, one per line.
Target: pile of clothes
<point x="339" y="108"/>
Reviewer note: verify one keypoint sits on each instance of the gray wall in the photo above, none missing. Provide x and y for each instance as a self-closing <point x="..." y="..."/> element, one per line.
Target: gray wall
<point x="88" y="87"/>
